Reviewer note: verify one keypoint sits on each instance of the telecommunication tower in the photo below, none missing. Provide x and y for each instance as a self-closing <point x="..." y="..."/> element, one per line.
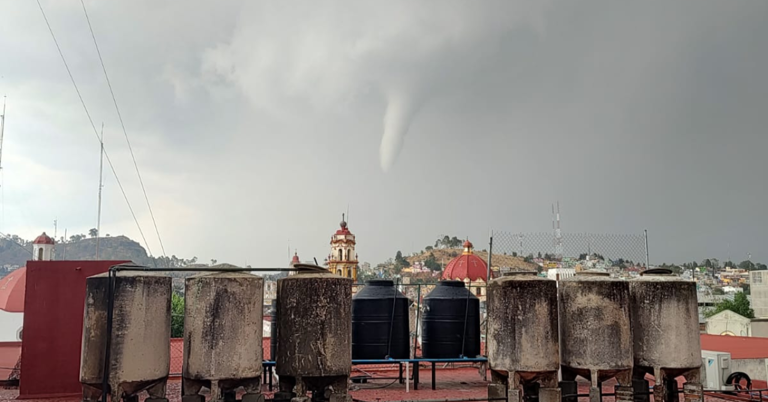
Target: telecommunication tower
<point x="558" y="239"/>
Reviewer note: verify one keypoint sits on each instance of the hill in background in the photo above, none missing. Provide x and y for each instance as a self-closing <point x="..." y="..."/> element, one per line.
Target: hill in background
<point x="444" y="255"/>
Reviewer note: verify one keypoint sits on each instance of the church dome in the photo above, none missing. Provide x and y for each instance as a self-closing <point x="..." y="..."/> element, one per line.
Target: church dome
<point x="466" y="266"/>
<point x="43" y="239"/>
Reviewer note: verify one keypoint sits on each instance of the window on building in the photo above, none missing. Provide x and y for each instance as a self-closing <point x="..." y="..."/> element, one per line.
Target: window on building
<point x="341" y="253"/>
<point x="40" y="254"/>
<point x="757" y="277"/>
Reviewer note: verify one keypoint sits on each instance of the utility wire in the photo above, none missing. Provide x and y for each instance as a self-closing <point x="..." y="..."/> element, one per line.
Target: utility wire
<point x="120" y="116"/>
<point x="8" y="239"/>
<point x="95" y="132"/>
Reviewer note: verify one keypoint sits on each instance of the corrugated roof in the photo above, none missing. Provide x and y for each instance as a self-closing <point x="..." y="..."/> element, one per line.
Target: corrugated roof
<point x="740" y="347"/>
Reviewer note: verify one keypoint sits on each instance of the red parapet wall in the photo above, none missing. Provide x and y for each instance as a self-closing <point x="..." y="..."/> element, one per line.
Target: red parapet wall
<point x="53" y="326"/>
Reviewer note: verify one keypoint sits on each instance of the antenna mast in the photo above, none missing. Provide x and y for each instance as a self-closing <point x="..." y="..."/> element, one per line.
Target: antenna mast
<point x="101" y="169"/>
<point x="558" y="240"/>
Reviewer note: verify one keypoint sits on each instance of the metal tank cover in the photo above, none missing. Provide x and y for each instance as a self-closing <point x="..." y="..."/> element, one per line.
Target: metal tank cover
<point x="665" y="324"/>
<point x="595" y="332"/>
<point x="222" y="336"/>
<point x="523" y="348"/>
<point x="140" y="338"/>
<point x="314" y="349"/>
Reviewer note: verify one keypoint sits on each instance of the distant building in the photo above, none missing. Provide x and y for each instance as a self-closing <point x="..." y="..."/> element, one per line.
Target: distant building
<point x="560" y="273"/>
<point x="470" y="269"/>
<point x="729" y="323"/>
<point x="343" y="259"/>
<point x="43" y="248"/>
<point x="270" y="291"/>
<point x="758" y="287"/>
<point x="295" y="260"/>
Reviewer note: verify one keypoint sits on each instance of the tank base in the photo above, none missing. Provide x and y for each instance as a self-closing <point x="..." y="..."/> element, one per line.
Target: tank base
<point x="624" y="393"/>
<point x="665" y="388"/>
<point x="324" y="389"/>
<point x="221" y="390"/>
<point x="597" y="376"/>
<point x="127" y="391"/>
<point x="515" y="385"/>
<point x="693" y="392"/>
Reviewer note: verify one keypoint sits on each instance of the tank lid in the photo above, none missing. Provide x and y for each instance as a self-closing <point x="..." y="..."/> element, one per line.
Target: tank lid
<point x="519" y="273"/>
<point x="657" y="271"/>
<point x="309" y="269"/>
<point x="592" y="273"/>
<point x="453" y="284"/>
<point x="380" y="282"/>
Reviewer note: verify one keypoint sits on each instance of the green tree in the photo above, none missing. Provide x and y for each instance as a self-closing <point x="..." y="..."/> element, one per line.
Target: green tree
<point x="428" y="248"/>
<point x="93" y="232"/>
<point x="739" y="305"/>
<point x="747" y="265"/>
<point x="177" y="315"/>
<point x="760" y="267"/>
<point x="432" y="264"/>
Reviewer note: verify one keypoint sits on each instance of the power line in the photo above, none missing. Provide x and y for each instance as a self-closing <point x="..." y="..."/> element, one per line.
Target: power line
<point x="95" y="132"/>
<point x="8" y="239"/>
<point x="120" y="116"/>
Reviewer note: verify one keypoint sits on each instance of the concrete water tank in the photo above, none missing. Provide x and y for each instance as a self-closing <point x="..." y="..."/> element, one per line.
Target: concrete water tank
<point x="523" y="338"/>
<point x="140" y="341"/>
<point x="314" y="351"/>
<point x="665" y="325"/>
<point x="595" y="331"/>
<point x="223" y="335"/>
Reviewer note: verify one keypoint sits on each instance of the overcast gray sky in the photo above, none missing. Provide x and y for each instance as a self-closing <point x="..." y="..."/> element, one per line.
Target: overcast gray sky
<point x="255" y="124"/>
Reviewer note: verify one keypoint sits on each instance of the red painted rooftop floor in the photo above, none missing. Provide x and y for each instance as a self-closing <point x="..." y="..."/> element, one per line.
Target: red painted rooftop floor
<point x="459" y="383"/>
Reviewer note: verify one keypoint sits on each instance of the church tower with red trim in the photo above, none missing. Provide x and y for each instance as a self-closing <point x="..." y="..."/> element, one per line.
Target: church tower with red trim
<point x="343" y="259"/>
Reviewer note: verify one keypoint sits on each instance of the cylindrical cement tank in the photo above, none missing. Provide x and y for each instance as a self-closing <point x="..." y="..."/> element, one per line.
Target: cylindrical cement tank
<point x="223" y="332"/>
<point x="315" y="325"/>
<point x="595" y="332"/>
<point x="141" y="331"/>
<point x="522" y="324"/>
<point x="380" y="322"/>
<point x="273" y="331"/>
<point x="451" y="315"/>
<point x="665" y="323"/>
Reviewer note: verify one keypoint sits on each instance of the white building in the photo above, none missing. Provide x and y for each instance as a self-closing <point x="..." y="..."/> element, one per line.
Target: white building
<point x="758" y="286"/>
<point x="729" y="323"/>
<point x="560" y="273"/>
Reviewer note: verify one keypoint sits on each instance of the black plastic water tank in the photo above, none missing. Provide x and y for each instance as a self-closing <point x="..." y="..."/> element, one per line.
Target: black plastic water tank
<point x="380" y="322"/>
<point x="273" y="331"/>
<point x="451" y="313"/>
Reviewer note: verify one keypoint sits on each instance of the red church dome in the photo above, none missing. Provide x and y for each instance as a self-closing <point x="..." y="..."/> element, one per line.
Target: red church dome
<point x="12" y="291"/>
<point x="466" y="266"/>
<point x="43" y="239"/>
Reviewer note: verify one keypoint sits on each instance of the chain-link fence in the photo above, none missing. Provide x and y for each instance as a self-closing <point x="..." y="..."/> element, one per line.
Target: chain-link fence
<point x="569" y="250"/>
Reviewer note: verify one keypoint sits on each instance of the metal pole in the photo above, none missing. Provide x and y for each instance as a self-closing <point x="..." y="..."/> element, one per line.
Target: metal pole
<point x="101" y="169"/>
<point x="647" y="260"/>
<point x="490" y="259"/>
<point x="108" y="344"/>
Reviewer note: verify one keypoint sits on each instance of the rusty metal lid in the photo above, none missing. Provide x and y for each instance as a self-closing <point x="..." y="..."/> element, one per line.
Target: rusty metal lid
<point x="592" y="273"/>
<point x="519" y="273"/>
<point x="310" y="269"/>
<point x="657" y="271"/>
